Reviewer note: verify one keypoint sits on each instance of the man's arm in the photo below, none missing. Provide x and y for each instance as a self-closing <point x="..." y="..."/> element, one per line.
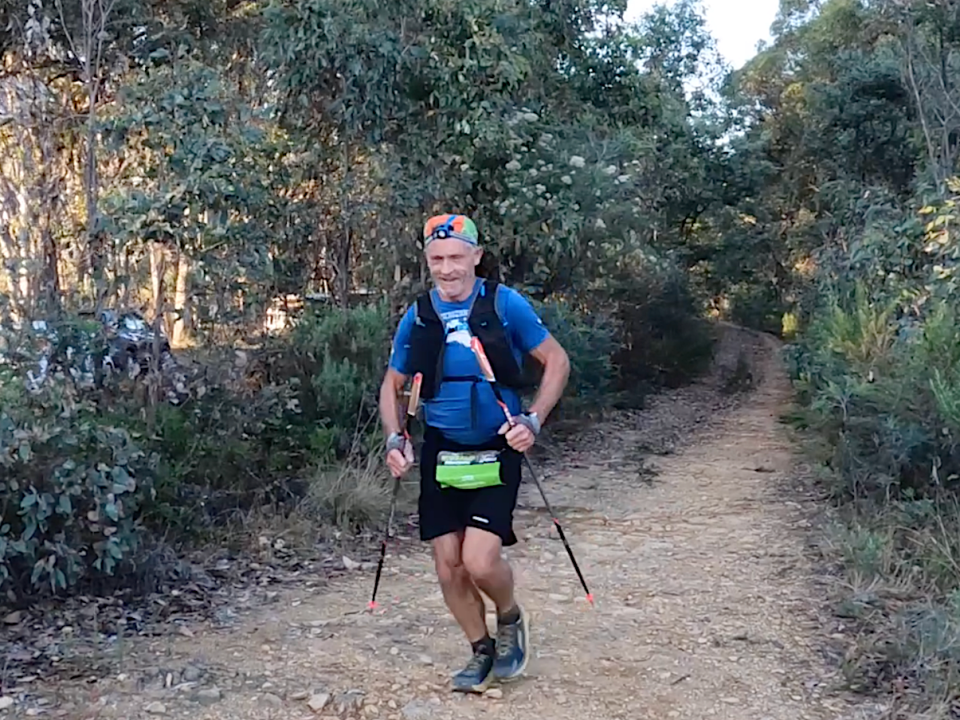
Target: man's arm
<point x="556" y="372"/>
<point x="531" y="336"/>
<point x="399" y="451"/>
<point x="396" y="376"/>
<point x="393" y="382"/>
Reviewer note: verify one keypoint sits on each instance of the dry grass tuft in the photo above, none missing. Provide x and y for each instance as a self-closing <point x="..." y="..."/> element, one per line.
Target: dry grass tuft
<point x="350" y="497"/>
<point x="901" y="604"/>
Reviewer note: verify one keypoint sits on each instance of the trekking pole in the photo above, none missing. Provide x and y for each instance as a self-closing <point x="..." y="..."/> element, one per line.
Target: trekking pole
<point x="412" y="404"/>
<point x="487" y="370"/>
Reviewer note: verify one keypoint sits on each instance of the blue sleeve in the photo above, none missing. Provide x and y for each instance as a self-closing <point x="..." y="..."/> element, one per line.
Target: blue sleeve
<point x="524" y="327"/>
<point x="399" y="355"/>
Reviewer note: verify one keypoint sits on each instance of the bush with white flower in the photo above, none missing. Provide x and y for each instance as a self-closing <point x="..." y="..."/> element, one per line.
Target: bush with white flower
<point x="572" y="205"/>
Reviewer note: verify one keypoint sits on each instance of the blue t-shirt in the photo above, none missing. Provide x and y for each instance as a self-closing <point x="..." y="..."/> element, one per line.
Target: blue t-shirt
<point x="450" y="411"/>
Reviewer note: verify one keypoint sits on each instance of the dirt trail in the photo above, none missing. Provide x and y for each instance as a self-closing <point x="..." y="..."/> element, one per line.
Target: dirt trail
<point x="705" y="602"/>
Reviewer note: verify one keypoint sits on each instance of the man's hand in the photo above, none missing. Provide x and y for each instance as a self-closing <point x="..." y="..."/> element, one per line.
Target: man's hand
<point x="523" y="434"/>
<point x="399" y="456"/>
<point x="399" y="462"/>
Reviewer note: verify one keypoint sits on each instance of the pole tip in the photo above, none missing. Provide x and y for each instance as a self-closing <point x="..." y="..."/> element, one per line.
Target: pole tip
<point x="590" y="598"/>
<point x="373" y="604"/>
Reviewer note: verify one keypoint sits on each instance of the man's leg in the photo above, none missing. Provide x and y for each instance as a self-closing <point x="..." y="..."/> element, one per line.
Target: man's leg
<point x="442" y="523"/>
<point x="492" y="574"/>
<point x="459" y="592"/>
<point x="490" y="528"/>
<point x="487" y="567"/>
<point x="467" y="607"/>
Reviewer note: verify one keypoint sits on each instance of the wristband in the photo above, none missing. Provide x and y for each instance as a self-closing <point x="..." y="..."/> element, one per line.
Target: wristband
<point x="396" y="441"/>
<point x="531" y="421"/>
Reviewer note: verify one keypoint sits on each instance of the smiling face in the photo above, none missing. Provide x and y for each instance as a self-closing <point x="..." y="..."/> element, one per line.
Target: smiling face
<point x="453" y="267"/>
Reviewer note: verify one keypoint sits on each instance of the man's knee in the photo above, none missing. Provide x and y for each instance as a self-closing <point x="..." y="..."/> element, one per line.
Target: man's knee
<point x="448" y="560"/>
<point x="481" y="556"/>
<point x="450" y="571"/>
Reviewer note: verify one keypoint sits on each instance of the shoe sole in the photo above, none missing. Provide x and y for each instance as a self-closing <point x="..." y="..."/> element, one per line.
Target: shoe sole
<point x="524" y="618"/>
<point x="479" y="688"/>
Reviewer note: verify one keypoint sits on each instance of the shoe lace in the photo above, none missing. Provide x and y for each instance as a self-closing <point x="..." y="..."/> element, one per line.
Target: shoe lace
<point x="507" y="639"/>
<point x="475" y="664"/>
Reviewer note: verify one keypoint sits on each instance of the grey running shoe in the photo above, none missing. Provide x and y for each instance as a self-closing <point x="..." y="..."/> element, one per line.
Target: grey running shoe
<point x="476" y="676"/>
<point x="513" y="648"/>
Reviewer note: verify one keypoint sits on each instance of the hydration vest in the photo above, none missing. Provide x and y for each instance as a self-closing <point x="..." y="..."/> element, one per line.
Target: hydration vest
<point x="428" y="342"/>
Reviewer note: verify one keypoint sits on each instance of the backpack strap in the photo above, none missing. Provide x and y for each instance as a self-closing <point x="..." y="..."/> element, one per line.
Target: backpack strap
<point x="428" y="344"/>
<point x="486" y="323"/>
<point x="477" y="290"/>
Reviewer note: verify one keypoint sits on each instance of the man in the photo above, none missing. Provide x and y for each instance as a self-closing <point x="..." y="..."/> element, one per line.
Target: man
<point x="470" y="463"/>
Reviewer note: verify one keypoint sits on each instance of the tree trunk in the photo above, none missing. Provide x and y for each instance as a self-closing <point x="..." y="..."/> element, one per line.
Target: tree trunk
<point x="50" y="278"/>
<point x="11" y="263"/>
<point x="182" y="326"/>
<point x="94" y="247"/>
<point x="157" y="270"/>
<point x="341" y="286"/>
<point x="342" y="253"/>
<point x="89" y="50"/>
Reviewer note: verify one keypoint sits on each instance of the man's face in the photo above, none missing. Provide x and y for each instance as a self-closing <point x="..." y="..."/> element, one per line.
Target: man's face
<point x="453" y="264"/>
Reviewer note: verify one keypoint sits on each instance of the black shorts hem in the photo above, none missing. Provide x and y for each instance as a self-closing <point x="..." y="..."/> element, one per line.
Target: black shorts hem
<point x="508" y="538"/>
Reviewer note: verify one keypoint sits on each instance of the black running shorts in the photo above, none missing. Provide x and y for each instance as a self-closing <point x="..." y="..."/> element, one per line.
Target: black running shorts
<point x="446" y="510"/>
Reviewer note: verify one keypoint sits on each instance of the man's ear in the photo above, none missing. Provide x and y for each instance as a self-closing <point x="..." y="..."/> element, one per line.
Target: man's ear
<point x="477" y="256"/>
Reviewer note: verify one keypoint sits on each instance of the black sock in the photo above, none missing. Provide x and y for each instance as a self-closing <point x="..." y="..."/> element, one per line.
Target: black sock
<point x="510" y="616"/>
<point x="484" y="645"/>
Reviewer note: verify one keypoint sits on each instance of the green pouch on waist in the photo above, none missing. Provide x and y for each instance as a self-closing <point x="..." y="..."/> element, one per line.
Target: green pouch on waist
<point x="469" y="470"/>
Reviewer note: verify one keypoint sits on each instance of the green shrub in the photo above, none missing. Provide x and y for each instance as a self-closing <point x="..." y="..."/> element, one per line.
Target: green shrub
<point x="591" y="340"/>
<point x="664" y="339"/>
<point x="338" y="357"/>
<point x="902" y="563"/>
<point x="876" y="367"/>
<point x="73" y="482"/>
<point x="885" y="394"/>
<point x="306" y="400"/>
<point x="72" y="492"/>
<point x="91" y="472"/>
<point x="629" y="335"/>
<point x="882" y="387"/>
<point x="224" y="453"/>
<point x="757" y="306"/>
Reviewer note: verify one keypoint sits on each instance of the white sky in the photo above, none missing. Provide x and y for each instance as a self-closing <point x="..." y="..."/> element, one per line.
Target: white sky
<point x="736" y="25"/>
